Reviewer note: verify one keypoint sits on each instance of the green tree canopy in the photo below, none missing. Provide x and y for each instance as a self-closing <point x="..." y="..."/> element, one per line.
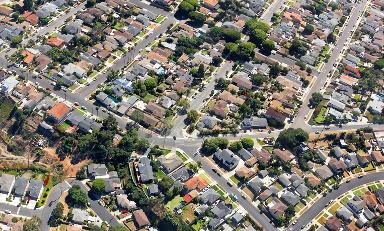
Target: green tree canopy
<point x="56" y="215"/>
<point x="212" y="144"/>
<point x="98" y="186"/>
<point x="247" y="142"/>
<point x="291" y="138"/>
<point x="77" y="197"/>
<point x="192" y="116"/>
<point x="236" y="146"/>
<point x="316" y="99"/>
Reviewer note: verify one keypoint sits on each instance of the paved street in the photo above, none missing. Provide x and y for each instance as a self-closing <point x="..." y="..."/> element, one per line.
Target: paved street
<point x="51" y="203"/>
<point x="328" y="66"/>
<point x="316" y="208"/>
<point x="127" y="58"/>
<point x="198" y="102"/>
<point x="56" y="23"/>
<point x="102" y="212"/>
<point x="274" y="7"/>
<point x="253" y="212"/>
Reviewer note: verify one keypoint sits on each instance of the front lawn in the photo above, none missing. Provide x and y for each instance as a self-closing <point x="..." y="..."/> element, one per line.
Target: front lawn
<point x="160" y="175"/>
<point x="173" y="203"/>
<point x="47" y="188"/>
<point x="182" y="156"/>
<point x="319" y="119"/>
<point x="299" y="207"/>
<point x="160" y="19"/>
<point x="334" y="208"/>
<point x="148" y="98"/>
<point x="369" y="167"/>
<point x="6" y="106"/>
<point x="218" y="189"/>
<point x="63" y="126"/>
<point x="235" y="180"/>
<point x="199" y="225"/>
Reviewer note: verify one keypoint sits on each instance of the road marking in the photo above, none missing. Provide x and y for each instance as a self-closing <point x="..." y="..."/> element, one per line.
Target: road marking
<point x="68" y="184"/>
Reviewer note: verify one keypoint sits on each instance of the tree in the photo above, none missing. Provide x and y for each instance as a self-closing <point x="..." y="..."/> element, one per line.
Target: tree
<point x="298" y="48"/>
<point x="267" y="47"/>
<point x="28" y="5"/>
<point x="32" y="224"/>
<point x="77" y="197"/>
<point x="150" y="84"/>
<point x="211" y="145"/>
<point x="247" y="143"/>
<point x="98" y="186"/>
<point x="331" y="38"/>
<point x="56" y="215"/>
<point x="113" y="75"/>
<point x="291" y="138"/>
<point x="258" y="36"/>
<point x="245" y="51"/>
<point x="258" y="79"/>
<point x="256" y="23"/>
<point x="222" y="83"/>
<point x="185" y="7"/>
<point x="308" y="29"/>
<point x="216" y="61"/>
<point x="16" y="40"/>
<point x="316" y="99"/>
<point x="192" y="116"/>
<point x="90" y="3"/>
<point x="81" y="174"/>
<point x="183" y="103"/>
<point x="197" y="17"/>
<point x="275" y="70"/>
<point x="165" y="184"/>
<point x="200" y="73"/>
<point x="379" y="64"/>
<point x="118" y="228"/>
<point x="231" y="35"/>
<point x="43" y="21"/>
<point x="235" y="146"/>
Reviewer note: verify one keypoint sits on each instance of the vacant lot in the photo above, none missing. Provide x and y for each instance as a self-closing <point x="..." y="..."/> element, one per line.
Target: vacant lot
<point x="6" y="106"/>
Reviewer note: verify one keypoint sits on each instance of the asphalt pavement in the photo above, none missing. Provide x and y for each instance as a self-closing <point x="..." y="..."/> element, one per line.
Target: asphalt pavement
<point x="322" y="77"/>
<point x="276" y="6"/>
<point x="320" y="204"/>
<point x="100" y="210"/>
<point x="198" y="102"/>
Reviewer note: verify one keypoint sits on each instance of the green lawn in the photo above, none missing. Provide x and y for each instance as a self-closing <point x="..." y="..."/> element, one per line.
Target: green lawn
<point x="148" y="98"/>
<point x="277" y="185"/>
<point x="93" y="74"/>
<point x="119" y="25"/>
<point x="218" y="189"/>
<point x="369" y="167"/>
<point x="319" y="119"/>
<point x="298" y="207"/>
<point x="261" y="142"/>
<point x="6" y="106"/>
<point x="160" y="175"/>
<point x="182" y="156"/>
<point x="141" y="34"/>
<point x="173" y="203"/>
<point x="334" y="208"/>
<point x="82" y="81"/>
<point x="63" y="126"/>
<point x="160" y="19"/>
<point x="199" y="225"/>
<point x="235" y="180"/>
<point x="79" y="110"/>
<point x="73" y="87"/>
<point x="46" y="190"/>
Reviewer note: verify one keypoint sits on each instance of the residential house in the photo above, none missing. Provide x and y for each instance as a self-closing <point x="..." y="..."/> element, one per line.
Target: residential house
<point x="324" y="172"/>
<point x="277" y="209"/>
<point x="254" y="123"/>
<point x="290" y="198"/>
<point x="284" y="155"/>
<point x="333" y="224"/>
<point x="35" y="188"/>
<point x="145" y="170"/>
<point x="263" y="155"/>
<point x="337" y="166"/>
<point x="344" y="214"/>
<point x="209" y="197"/>
<point x="196" y="182"/>
<point x="6" y="183"/>
<point x="156" y="110"/>
<point x="226" y="158"/>
<point x="170" y="162"/>
<point x="20" y="186"/>
<point x="58" y="112"/>
<point x="97" y="171"/>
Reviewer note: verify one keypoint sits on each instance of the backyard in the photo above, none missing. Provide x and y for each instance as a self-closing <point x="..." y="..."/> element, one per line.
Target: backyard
<point x="6" y="106"/>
